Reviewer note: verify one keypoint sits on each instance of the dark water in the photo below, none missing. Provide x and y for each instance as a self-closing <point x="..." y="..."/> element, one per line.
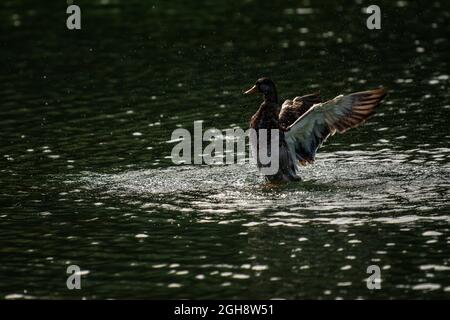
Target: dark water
<point x="86" y="176"/>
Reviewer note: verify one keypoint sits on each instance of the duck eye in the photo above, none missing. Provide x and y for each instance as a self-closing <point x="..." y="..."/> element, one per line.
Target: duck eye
<point x="264" y="87"/>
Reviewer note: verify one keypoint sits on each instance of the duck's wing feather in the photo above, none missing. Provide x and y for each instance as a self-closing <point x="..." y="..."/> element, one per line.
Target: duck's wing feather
<point x="291" y="110"/>
<point x="308" y="132"/>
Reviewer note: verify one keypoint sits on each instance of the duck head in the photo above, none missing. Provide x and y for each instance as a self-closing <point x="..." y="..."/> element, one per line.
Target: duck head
<point x="266" y="87"/>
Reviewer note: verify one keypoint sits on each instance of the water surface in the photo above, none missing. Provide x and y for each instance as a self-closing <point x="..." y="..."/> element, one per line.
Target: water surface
<point x="86" y="176"/>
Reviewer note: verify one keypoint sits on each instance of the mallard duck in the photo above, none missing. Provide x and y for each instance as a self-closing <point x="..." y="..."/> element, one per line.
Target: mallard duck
<point x="305" y="122"/>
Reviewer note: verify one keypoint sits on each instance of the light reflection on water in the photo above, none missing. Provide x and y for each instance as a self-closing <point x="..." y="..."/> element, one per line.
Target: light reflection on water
<point x="337" y="181"/>
<point x="216" y="230"/>
<point x="349" y="212"/>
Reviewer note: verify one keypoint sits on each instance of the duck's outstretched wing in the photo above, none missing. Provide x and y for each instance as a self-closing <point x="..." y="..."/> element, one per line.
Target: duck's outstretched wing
<point x="291" y="110"/>
<point x="308" y="133"/>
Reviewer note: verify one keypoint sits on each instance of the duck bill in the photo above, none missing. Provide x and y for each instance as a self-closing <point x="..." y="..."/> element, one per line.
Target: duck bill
<point x="253" y="89"/>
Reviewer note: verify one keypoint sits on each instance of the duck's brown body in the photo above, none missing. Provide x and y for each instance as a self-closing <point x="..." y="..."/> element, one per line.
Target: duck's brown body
<point x="271" y="116"/>
<point x="305" y="123"/>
